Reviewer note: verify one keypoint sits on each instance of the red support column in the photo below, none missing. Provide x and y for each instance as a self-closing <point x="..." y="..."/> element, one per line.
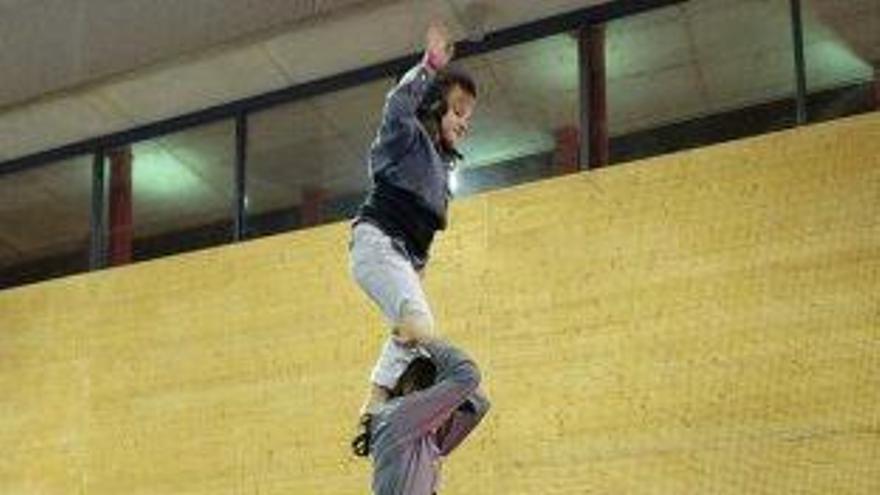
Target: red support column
<point x="565" y="156"/>
<point x="311" y="209"/>
<point x="120" y="207"/>
<point x="587" y="147"/>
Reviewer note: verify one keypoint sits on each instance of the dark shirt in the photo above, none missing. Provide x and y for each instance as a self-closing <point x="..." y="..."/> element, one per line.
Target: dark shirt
<point x="398" y="213"/>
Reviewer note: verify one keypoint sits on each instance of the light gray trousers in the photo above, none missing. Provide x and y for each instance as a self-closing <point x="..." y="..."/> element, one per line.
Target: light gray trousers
<point x="389" y="279"/>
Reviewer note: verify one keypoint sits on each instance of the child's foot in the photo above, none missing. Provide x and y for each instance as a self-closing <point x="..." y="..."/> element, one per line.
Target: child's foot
<point x="360" y="446"/>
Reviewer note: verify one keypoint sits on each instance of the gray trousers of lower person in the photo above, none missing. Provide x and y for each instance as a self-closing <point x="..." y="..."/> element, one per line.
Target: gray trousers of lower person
<point x="385" y="274"/>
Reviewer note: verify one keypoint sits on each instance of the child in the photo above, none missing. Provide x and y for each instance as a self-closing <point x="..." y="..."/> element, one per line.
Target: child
<point x="425" y="116"/>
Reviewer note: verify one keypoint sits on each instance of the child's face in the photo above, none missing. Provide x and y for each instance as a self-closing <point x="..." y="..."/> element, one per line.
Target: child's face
<point x="457" y="121"/>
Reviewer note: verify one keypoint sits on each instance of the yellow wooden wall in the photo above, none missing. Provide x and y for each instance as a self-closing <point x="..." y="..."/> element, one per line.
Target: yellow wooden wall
<point x="699" y="323"/>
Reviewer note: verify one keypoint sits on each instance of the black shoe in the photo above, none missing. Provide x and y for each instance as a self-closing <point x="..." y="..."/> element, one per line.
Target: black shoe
<point x="361" y="443"/>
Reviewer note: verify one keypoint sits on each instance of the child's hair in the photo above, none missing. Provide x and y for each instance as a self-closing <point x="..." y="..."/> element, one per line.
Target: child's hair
<point x="419" y="374"/>
<point x="435" y="105"/>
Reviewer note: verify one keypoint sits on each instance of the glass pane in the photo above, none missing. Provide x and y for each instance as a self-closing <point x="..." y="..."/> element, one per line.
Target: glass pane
<point x="840" y="40"/>
<point x="696" y="73"/>
<point x="528" y="98"/>
<point x="307" y="159"/>
<point x="183" y="187"/>
<point x="45" y="214"/>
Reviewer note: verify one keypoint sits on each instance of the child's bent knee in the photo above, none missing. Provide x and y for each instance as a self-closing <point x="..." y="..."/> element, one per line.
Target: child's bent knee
<point x="415" y="325"/>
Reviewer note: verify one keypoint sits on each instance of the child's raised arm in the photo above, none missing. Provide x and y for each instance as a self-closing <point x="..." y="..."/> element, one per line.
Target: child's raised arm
<point x="399" y="116"/>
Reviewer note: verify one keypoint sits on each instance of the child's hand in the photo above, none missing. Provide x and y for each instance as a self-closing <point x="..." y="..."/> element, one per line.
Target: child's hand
<point x="439" y="49"/>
